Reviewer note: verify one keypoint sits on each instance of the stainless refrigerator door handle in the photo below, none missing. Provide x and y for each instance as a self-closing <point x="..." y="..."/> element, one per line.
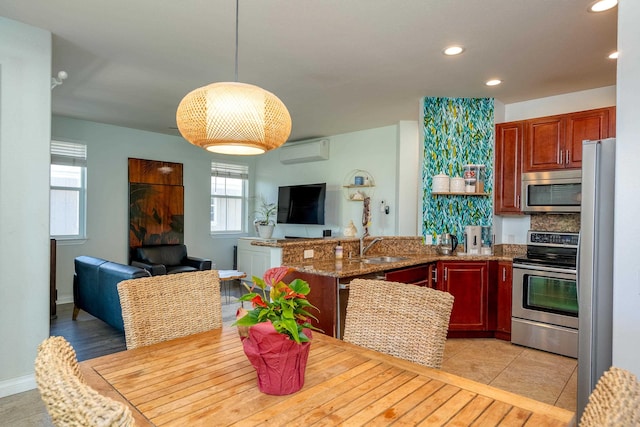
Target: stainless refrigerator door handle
<point x="578" y="269"/>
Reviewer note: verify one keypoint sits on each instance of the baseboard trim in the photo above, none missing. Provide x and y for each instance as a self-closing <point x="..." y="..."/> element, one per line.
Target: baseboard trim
<point x="64" y="300"/>
<point x="17" y="385"/>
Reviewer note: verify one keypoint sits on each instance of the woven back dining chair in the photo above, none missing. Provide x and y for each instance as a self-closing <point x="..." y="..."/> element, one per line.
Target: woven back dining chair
<point x="160" y="308"/>
<point x="68" y="399"/>
<point x="615" y="401"/>
<point x="402" y="320"/>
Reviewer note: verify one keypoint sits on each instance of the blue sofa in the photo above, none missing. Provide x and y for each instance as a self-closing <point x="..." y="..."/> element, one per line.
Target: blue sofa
<point x="95" y="288"/>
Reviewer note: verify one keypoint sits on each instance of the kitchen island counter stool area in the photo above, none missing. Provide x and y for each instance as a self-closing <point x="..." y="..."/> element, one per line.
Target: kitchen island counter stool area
<point x="207" y="379"/>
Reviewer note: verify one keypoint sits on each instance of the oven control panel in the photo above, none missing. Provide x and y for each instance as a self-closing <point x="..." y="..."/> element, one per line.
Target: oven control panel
<point x="550" y="238"/>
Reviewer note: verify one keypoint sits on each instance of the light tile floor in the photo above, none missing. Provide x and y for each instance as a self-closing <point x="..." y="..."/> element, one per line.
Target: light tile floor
<point x="543" y="376"/>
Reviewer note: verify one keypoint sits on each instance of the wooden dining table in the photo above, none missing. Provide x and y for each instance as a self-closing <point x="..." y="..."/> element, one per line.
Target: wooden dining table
<point x="206" y="379"/>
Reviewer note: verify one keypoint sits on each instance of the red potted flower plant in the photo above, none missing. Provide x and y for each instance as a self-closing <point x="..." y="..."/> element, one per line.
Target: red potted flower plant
<point x="276" y="333"/>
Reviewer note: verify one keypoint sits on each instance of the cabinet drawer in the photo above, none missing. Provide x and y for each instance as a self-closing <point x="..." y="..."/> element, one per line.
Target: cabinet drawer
<point x="414" y="275"/>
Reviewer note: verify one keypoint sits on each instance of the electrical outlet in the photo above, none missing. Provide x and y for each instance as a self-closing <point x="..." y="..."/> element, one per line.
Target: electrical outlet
<point x="428" y="239"/>
<point x="308" y="253"/>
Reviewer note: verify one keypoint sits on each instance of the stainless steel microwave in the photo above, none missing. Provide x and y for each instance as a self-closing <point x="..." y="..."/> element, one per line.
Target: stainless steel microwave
<point x="552" y="192"/>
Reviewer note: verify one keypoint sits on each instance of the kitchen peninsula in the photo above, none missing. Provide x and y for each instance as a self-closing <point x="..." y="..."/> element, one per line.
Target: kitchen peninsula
<point x="481" y="285"/>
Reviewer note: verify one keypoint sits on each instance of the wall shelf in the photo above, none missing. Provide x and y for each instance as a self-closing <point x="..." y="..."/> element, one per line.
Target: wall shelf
<point x="357" y="192"/>
<point x="358" y="186"/>
<point x="460" y="194"/>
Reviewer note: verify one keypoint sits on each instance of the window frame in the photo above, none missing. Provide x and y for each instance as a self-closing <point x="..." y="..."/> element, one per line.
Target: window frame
<point x="66" y="153"/>
<point x="230" y="170"/>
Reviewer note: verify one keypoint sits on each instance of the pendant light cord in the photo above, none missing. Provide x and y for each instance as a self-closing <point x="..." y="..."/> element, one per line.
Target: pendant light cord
<point x="237" y="7"/>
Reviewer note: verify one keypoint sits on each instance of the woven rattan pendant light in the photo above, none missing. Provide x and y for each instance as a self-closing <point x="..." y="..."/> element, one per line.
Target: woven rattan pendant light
<point x="232" y="117"/>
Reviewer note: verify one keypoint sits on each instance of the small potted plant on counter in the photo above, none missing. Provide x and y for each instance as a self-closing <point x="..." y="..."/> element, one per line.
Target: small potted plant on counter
<point x="264" y="222"/>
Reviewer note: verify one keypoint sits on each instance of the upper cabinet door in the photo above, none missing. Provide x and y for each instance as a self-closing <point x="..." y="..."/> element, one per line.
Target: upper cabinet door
<point x="508" y="167"/>
<point x="544" y="145"/>
<point x="591" y="125"/>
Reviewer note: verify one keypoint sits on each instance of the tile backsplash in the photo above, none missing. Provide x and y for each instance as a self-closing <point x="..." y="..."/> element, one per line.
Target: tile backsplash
<point x="457" y="131"/>
<point x="568" y="223"/>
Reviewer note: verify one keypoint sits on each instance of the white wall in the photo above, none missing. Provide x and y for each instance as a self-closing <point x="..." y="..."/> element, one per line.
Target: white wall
<point x="25" y="115"/>
<point x="560" y="104"/>
<point x="408" y="194"/>
<point x="626" y="283"/>
<point x="108" y="150"/>
<point x="513" y="229"/>
<point x="373" y="150"/>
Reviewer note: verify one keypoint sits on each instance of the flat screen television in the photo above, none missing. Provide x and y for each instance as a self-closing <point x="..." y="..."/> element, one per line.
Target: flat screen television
<point x="301" y="204"/>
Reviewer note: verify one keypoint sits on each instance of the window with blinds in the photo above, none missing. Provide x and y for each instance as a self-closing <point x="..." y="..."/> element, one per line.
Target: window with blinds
<point x="67" y="200"/>
<point x="229" y="183"/>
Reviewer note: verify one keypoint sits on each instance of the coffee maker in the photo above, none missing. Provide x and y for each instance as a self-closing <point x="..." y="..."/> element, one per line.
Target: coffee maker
<point x="472" y="239"/>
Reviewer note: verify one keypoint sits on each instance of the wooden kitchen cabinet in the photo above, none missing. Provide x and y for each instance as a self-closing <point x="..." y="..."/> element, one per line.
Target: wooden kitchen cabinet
<point x="592" y="124"/>
<point x="324" y="296"/>
<point x="555" y="142"/>
<point x="508" y="167"/>
<point x="473" y="313"/>
<point x="544" y="144"/>
<point x="420" y="275"/>
<point x="504" y="296"/>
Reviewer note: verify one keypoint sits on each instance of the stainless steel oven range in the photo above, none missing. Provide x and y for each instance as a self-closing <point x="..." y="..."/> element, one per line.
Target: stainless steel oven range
<point x="545" y="297"/>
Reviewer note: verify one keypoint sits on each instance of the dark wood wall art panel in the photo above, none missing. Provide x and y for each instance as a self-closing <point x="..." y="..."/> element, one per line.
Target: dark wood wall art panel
<point x="155" y="172"/>
<point x="156" y="214"/>
<point x="156" y="203"/>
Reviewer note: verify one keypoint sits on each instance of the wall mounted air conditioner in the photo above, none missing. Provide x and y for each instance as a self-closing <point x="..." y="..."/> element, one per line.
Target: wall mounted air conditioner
<point x="305" y="151"/>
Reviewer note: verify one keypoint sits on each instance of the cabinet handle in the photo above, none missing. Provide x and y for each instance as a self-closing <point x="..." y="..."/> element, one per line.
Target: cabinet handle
<point x="435" y="276"/>
<point x="445" y="274"/>
<point x="568" y="152"/>
<point x="504" y="274"/>
<point x="562" y="157"/>
<point x="518" y="201"/>
<point x="558" y="157"/>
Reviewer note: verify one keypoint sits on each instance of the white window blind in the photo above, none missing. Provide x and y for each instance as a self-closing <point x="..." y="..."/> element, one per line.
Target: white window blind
<point x="68" y="153"/>
<point x="228" y="170"/>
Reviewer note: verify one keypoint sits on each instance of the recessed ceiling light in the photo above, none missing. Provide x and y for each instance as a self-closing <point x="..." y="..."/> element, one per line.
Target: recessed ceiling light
<point x="602" y="5"/>
<point x="493" y="82"/>
<point x="614" y="55"/>
<point x="453" y="50"/>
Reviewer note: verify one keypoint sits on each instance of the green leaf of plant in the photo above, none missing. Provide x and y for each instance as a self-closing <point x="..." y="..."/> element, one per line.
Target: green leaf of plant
<point x="299" y="286"/>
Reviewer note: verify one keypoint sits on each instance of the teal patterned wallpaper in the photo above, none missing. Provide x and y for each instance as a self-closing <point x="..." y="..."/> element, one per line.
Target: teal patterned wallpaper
<point x="457" y="131"/>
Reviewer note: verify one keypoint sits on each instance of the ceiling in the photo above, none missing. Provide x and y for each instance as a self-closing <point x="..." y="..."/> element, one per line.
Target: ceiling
<point x="338" y="65"/>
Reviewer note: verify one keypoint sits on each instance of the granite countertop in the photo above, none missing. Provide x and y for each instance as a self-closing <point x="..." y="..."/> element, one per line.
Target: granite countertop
<point x="354" y="267"/>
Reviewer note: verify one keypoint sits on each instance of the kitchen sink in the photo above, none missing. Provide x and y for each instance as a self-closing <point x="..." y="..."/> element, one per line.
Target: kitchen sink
<point x="383" y="259"/>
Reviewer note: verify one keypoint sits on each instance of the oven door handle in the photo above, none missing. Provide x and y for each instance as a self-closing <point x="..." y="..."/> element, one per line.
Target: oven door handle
<point x="544" y="268"/>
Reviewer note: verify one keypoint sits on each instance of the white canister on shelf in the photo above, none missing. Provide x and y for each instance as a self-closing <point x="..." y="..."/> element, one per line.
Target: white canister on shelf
<point x="456" y="184"/>
<point x="440" y="184"/>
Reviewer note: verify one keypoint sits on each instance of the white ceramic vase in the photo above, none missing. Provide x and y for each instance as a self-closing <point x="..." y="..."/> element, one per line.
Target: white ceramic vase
<point x="265" y="231"/>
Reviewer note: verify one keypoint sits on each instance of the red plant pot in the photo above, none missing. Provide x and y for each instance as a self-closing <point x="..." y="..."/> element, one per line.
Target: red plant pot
<point x="279" y="361"/>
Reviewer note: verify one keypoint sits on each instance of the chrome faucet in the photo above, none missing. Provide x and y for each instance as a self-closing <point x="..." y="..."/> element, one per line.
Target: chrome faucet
<point x="363" y="248"/>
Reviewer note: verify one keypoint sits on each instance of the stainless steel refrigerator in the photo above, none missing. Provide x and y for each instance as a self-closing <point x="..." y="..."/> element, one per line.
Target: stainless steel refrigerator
<point x="595" y="265"/>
